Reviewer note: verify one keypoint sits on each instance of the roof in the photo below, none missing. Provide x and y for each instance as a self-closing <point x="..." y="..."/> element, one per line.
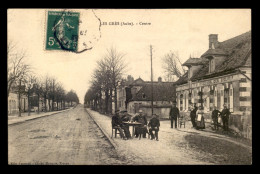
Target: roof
<point x="162" y="91"/>
<point x="183" y="79"/>
<point x="194" y="61"/>
<point x="238" y="54"/>
<point x="214" y="52"/>
<point x="137" y="82"/>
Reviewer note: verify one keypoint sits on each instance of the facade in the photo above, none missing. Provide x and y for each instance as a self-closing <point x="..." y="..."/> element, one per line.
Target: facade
<point x="121" y="92"/>
<point x="222" y="75"/>
<point x="141" y="98"/>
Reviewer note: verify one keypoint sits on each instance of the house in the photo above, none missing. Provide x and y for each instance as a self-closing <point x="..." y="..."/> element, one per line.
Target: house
<point x="222" y="75"/>
<point x="121" y="92"/>
<point x="141" y="97"/>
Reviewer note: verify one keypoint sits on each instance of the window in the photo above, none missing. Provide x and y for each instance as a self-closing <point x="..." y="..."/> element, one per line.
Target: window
<point x="226" y="97"/>
<point x="211" y="65"/>
<point x="143" y="95"/>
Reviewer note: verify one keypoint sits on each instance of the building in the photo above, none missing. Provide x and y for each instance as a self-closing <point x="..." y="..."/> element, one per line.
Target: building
<point x="222" y="75"/>
<point x="121" y="92"/>
<point x="141" y="97"/>
<point x="13" y="104"/>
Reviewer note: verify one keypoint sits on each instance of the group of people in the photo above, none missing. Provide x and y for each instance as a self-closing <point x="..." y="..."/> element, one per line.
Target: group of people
<point x="120" y="119"/>
<point x="144" y="128"/>
<point x="197" y="118"/>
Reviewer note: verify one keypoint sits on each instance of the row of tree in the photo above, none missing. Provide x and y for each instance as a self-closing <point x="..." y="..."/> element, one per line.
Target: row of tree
<point x="22" y="81"/>
<point x="105" y="80"/>
<point x="108" y="74"/>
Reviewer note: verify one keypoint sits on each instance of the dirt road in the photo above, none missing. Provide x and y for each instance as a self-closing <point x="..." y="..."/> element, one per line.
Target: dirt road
<point x="70" y="138"/>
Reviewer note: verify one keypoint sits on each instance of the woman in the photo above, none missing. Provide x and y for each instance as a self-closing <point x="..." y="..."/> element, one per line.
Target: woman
<point x="193" y="115"/>
<point x="200" y="123"/>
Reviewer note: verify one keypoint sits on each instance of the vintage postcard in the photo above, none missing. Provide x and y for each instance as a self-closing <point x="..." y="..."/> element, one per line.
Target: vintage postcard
<point x="129" y="86"/>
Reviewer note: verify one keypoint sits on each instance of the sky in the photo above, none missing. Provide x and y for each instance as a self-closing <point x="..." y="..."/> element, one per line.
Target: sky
<point x="184" y="31"/>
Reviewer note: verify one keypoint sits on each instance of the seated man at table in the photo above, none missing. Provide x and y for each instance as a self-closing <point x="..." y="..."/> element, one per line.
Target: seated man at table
<point x="125" y="118"/>
<point x="142" y="129"/>
<point x="117" y="122"/>
<point x="154" y="125"/>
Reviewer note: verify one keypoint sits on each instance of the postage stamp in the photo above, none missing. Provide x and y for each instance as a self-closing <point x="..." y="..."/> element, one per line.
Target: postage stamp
<point x="62" y="30"/>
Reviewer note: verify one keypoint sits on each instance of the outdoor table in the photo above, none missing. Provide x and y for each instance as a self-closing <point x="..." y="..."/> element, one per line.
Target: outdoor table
<point x="133" y="124"/>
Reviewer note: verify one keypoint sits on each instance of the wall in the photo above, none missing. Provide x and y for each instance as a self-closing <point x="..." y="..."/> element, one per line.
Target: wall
<point x="160" y="108"/>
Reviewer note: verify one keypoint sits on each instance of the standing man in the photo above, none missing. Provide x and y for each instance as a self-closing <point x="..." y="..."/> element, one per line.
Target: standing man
<point x="154" y="125"/>
<point x="225" y="117"/>
<point x="117" y="123"/>
<point x="174" y="114"/>
<point x="214" y="117"/>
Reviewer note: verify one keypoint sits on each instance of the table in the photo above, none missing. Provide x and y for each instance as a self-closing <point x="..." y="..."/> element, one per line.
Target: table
<point x="133" y="124"/>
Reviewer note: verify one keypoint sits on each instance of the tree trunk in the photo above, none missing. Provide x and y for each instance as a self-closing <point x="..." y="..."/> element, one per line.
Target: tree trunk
<point x="19" y="98"/>
<point x="52" y="103"/>
<point x="115" y="98"/>
<point x="45" y="108"/>
<point x="29" y="104"/>
<point x="38" y="103"/>
<point x="106" y="101"/>
<point x="49" y="105"/>
<point x="110" y="101"/>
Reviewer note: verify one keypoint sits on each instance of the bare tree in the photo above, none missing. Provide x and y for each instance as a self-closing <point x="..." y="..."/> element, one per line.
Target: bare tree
<point x="46" y="87"/>
<point x="17" y="68"/>
<point x="172" y="66"/>
<point x="30" y="81"/>
<point x="115" y="62"/>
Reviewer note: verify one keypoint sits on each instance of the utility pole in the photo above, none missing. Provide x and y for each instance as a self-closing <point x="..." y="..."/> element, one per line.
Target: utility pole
<point x="151" y="48"/>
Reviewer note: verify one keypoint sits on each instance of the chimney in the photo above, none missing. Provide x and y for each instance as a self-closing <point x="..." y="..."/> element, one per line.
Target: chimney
<point x="159" y="79"/>
<point x="213" y="40"/>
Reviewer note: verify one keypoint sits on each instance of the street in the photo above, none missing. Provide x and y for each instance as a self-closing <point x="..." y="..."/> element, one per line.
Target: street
<point x="73" y="138"/>
<point x="65" y="139"/>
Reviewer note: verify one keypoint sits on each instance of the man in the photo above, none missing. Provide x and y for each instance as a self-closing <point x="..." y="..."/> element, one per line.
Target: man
<point x="117" y="122"/>
<point x="214" y="117"/>
<point x="125" y="118"/>
<point x="193" y="115"/>
<point x="174" y="114"/>
<point x="225" y="117"/>
<point x="141" y="118"/>
<point x="154" y="125"/>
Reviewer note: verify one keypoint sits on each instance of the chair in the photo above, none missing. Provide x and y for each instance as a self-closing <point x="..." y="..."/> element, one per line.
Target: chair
<point x="181" y="121"/>
<point x="116" y="132"/>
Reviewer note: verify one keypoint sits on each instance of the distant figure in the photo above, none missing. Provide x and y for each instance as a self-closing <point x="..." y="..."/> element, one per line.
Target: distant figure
<point x="193" y="115"/>
<point x="154" y="125"/>
<point x="225" y="117"/>
<point x="117" y="122"/>
<point x="214" y="117"/>
<point x="174" y="114"/>
<point x="200" y="123"/>
<point x="142" y="129"/>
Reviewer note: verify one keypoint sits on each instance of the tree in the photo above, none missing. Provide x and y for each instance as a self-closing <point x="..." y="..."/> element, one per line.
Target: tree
<point x="116" y="66"/>
<point x="38" y="91"/>
<point x="17" y="68"/>
<point x="46" y="87"/>
<point x="71" y="96"/>
<point x="30" y="81"/>
<point x="172" y="66"/>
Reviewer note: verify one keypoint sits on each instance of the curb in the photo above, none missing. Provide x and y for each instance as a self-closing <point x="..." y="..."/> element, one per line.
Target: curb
<point x="112" y="142"/>
<point x="29" y="119"/>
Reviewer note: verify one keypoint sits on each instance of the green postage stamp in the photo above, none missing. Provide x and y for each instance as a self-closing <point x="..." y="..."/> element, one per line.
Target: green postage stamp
<point x="62" y="30"/>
